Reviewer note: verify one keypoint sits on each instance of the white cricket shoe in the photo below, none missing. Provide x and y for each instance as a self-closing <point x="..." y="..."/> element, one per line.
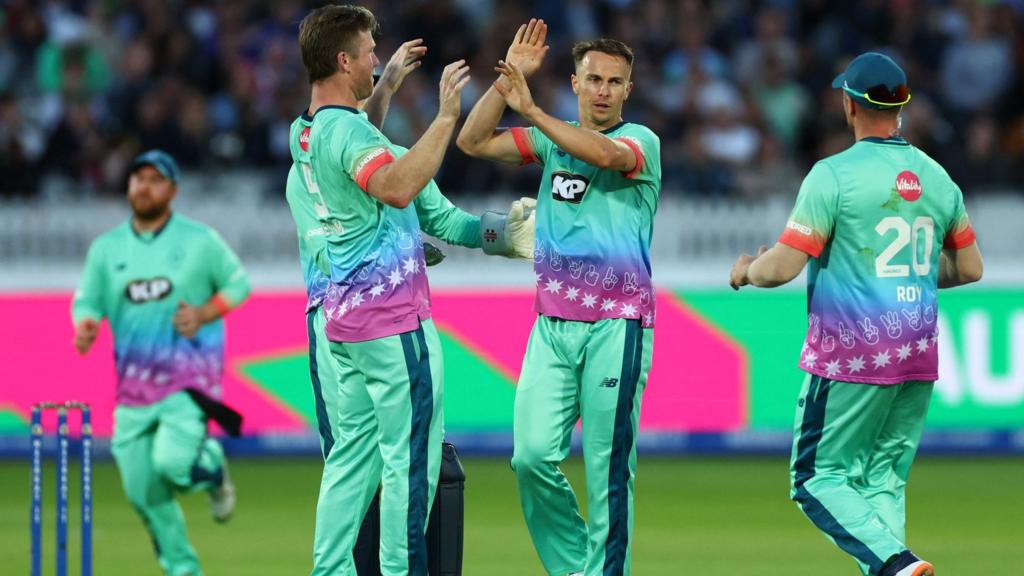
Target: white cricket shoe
<point x="222" y="498"/>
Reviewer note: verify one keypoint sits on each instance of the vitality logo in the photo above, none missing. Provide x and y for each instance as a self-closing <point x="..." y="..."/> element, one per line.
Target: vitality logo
<point x="142" y="291"/>
<point x="566" y="187"/>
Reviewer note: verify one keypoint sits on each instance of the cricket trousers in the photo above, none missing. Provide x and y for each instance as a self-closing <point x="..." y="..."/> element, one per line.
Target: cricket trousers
<point x="162" y="449"/>
<point x="594" y="372"/>
<point x="385" y="432"/>
<point x="852" y="451"/>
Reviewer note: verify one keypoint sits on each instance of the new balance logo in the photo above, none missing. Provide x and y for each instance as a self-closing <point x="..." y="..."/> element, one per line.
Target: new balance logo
<point x="609" y="383"/>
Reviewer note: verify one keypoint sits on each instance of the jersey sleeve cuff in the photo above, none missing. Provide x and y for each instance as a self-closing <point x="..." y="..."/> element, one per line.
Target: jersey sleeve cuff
<point x="522" y="140"/>
<point x="637" y="152"/>
<point x="374" y="161"/>
<point x="808" y="244"/>
<point x="221" y="304"/>
<point x="961" y="239"/>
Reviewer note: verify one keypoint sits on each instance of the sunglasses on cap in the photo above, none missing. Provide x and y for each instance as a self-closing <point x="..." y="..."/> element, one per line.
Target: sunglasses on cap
<point x="881" y="95"/>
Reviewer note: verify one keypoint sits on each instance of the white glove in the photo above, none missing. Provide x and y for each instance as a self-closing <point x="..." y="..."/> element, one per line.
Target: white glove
<point x="509" y="234"/>
<point x="521" y="226"/>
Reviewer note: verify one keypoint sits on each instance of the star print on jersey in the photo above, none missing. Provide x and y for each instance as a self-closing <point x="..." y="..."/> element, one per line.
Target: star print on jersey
<point x="395" y="278"/>
<point x="410" y="265"/>
<point x="832" y="368"/>
<point x="922" y="345"/>
<point x="903" y="353"/>
<point x="855" y="365"/>
<point x="608" y="304"/>
<point x="572" y="293"/>
<point x="357" y="299"/>
<point x="553" y="286"/>
<point x="589" y="300"/>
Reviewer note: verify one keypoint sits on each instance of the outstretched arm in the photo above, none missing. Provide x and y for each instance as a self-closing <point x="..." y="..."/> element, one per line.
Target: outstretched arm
<point x="590" y="146"/>
<point x="396" y="183"/>
<point x="770" y="268"/>
<point x="407" y="58"/>
<point x="480" y="136"/>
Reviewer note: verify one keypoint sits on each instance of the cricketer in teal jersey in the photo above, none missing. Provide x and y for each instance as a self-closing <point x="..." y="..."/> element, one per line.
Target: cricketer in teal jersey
<point x="370" y="198"/>
<point x="163" y="282"/>
<point x="590" y="350"/>
<point x="884" y="227"/>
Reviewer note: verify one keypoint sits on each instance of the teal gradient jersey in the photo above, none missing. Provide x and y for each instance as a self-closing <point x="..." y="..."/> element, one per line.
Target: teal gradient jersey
<point x="371" y="253"/>
<point x="874" y="219"/>
<point x="307" y="207"/>
<point x="594" y="227"/>
<point x="136" y="280"/>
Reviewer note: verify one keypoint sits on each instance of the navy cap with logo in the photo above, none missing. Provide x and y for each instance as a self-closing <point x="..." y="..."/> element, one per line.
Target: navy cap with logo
<point x="162" y="161"/>
<point x="874" y="80"/>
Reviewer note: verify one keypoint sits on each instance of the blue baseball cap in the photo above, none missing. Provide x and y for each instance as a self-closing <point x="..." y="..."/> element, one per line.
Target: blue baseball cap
<point x="875" y="81"/>
<point x="162" y="161"/>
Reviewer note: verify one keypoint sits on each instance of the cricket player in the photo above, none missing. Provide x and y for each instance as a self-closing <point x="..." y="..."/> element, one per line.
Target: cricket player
<point x="590" y="349"/>
<point x="884" y="227"/>
<point x="370" y="322"/>
<point x="163" y="282"/>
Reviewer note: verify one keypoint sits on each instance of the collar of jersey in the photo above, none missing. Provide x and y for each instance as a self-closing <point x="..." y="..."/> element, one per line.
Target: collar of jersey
<point x="894" y="140"/>
<point x="613" y="128"/>
<point x="329" y="107"/>
<point x="150" y="236"/>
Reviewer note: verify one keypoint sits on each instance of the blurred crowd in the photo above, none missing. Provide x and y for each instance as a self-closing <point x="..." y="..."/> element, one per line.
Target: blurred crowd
<point x="739" y="91"/>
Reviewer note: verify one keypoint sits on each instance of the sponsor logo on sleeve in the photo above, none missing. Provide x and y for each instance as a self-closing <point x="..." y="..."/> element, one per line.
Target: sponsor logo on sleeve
<point x="908" y="186"/>
<point x="566" y="187"/>
<point x="798" y="227"/>
<point x="370" y="157"/>
<point x="143" y="291"/>
<point x="304" y="139"/>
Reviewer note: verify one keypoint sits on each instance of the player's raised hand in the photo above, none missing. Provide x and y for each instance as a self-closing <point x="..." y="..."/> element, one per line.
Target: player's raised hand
<point x="187" y="319"/>
<point x="515" y="90"/>
<point x="407" y="58"/>
<point x="85" y="334"/>
<point x="453" y="80"/>
<point x="528" y="49"/>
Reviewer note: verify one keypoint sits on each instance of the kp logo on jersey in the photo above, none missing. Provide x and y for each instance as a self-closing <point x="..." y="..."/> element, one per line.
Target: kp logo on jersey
<point x="566" y="187"/>
<point x="142" y="291"/>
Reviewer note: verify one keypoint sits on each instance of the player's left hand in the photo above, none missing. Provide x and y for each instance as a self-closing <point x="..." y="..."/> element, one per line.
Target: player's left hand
<point x="515" y="89"/>
<point x="521" y="225"/>
<point x="738" y="277"/>
<point x="187" y="319"/>
<point x="407" y="58"/>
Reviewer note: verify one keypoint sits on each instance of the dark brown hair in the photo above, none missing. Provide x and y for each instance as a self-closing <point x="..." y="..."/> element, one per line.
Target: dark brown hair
<point x="606" y="45"/>
<point x="328" y="30"/>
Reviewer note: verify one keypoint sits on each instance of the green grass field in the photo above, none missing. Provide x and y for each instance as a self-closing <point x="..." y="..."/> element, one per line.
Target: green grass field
<point x="694" y="516"/>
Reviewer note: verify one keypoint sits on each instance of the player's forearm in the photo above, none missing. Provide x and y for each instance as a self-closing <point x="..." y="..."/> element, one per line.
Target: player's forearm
<point x="768" y="271"/>
<point x="592" y="147"/>
<point x="454" y="226"/>
<point x="481" y="124"/>
<point x="953" y="272"/>
<point x="398" y="183"/>
<point x="377" y="105"/>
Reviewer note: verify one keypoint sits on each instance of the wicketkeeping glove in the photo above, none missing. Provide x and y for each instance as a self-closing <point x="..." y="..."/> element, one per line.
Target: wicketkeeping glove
<point x="509" y="234"/>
